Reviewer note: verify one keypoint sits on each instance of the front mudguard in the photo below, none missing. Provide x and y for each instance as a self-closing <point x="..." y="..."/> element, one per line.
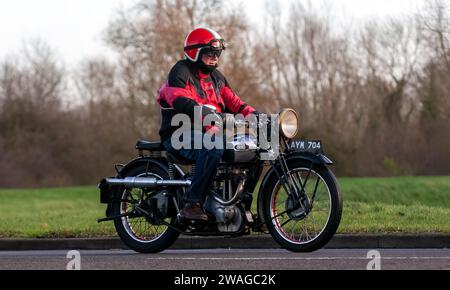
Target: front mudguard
<point x="314" y="159"/>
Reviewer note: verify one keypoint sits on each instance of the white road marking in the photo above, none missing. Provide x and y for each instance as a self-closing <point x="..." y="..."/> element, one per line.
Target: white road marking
<point x="299" y="258"/>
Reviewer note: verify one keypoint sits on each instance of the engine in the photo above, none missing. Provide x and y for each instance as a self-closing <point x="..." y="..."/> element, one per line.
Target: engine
<point x="223" y="200"/>
<point x="229" y="218"/>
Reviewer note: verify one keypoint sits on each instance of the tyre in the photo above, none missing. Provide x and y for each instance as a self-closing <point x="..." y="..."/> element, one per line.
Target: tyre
<point x="137" y="231"/>
<point x="293" y="227"/>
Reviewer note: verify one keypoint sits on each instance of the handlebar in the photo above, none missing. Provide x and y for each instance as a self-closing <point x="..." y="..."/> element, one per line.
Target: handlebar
<point x="248" y="123"/>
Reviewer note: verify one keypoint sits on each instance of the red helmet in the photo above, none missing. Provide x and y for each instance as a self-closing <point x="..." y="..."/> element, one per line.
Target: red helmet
<point x="201" y="38"/>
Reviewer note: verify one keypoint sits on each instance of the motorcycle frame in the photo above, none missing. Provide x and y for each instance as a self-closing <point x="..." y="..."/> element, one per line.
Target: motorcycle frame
<point x="278" y="169"/>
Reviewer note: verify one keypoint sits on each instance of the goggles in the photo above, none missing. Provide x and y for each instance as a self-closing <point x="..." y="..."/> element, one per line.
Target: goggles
<point x="213" y="53"/>
<point x="215" y="44"/>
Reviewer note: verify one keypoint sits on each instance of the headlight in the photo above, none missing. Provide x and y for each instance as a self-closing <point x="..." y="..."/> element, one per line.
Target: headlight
<point x="288" y="123"/>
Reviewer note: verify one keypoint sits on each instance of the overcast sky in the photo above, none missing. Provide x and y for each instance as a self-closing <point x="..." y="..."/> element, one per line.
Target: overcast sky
<point x="73" y="27"/>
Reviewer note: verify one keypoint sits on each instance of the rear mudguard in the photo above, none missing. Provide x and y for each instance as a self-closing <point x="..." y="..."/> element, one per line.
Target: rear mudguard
<point x="159" y="162"/>
<point x="314" y="159"/>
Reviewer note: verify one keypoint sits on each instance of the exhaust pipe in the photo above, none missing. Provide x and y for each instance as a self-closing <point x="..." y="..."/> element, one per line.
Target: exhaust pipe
<point x="145" y="182"/>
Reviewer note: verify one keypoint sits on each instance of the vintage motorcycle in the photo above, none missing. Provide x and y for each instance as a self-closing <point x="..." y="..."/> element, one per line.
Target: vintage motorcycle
<point x="298" y="199"/>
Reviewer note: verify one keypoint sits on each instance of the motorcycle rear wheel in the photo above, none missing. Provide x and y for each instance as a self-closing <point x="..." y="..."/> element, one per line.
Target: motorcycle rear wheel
<point x="138" y="233"/>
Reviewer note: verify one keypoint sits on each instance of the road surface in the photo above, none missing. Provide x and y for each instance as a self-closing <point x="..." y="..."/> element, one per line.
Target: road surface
<point x="328" y="259"/>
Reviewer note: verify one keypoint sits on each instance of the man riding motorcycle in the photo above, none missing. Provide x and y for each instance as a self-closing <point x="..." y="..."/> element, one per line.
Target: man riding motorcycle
<point x="196" y="82"/>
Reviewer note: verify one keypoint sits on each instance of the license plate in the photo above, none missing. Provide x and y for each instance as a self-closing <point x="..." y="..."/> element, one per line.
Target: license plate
<point x="307" y="146"/>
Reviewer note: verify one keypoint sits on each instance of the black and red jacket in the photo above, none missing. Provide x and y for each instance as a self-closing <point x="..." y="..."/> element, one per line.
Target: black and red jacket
<point x="187" y="87"/>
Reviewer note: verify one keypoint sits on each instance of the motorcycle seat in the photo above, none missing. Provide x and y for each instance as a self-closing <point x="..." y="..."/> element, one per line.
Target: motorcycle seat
<point x="149" y="146"/>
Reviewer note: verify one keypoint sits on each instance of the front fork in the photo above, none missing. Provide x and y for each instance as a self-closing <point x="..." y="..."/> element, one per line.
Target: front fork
<point x="294" y="186"/>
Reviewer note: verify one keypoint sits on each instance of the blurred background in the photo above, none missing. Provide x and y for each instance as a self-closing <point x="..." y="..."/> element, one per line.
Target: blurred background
<point x="79" y="78"/>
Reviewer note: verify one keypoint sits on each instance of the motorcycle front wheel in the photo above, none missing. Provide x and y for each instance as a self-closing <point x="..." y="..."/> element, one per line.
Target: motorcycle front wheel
<point x="138" y="231"/>
<point x="293" y="227"/>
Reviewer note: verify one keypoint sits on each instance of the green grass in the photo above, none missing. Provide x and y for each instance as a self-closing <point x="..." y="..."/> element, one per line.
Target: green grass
<point x="389" y="205"/>
<point x="47" y="213"/>
<point x="372" y="205"/>
<point x="427" y="191"/>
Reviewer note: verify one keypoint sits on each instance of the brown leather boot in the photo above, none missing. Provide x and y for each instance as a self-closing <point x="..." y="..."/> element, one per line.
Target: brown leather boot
<point x="194" y="211"/>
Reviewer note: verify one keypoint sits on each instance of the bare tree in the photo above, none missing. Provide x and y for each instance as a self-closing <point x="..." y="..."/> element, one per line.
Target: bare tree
<point x="436" y="20"/>
<point x="32" y="86"/>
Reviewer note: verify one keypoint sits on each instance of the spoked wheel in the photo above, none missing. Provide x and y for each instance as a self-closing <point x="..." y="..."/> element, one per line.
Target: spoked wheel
<point x="308" y="225"/>
<point x="140" y="232"/>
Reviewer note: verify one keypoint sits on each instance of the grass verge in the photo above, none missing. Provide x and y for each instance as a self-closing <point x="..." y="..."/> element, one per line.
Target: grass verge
<point x="372" y="205"/>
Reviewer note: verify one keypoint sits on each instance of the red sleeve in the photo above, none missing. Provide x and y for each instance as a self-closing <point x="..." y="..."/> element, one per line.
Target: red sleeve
<point x="234" y="103"/>
<point x="170" y="94"/>
<point x="178" y="92"/>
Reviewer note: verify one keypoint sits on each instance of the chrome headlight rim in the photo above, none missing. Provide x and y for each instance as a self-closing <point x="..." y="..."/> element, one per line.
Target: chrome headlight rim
<point x="284" y="115"/>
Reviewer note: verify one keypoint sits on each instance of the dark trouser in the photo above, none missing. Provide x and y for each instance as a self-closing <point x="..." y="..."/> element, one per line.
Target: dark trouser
<point x="206" y="167"/>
